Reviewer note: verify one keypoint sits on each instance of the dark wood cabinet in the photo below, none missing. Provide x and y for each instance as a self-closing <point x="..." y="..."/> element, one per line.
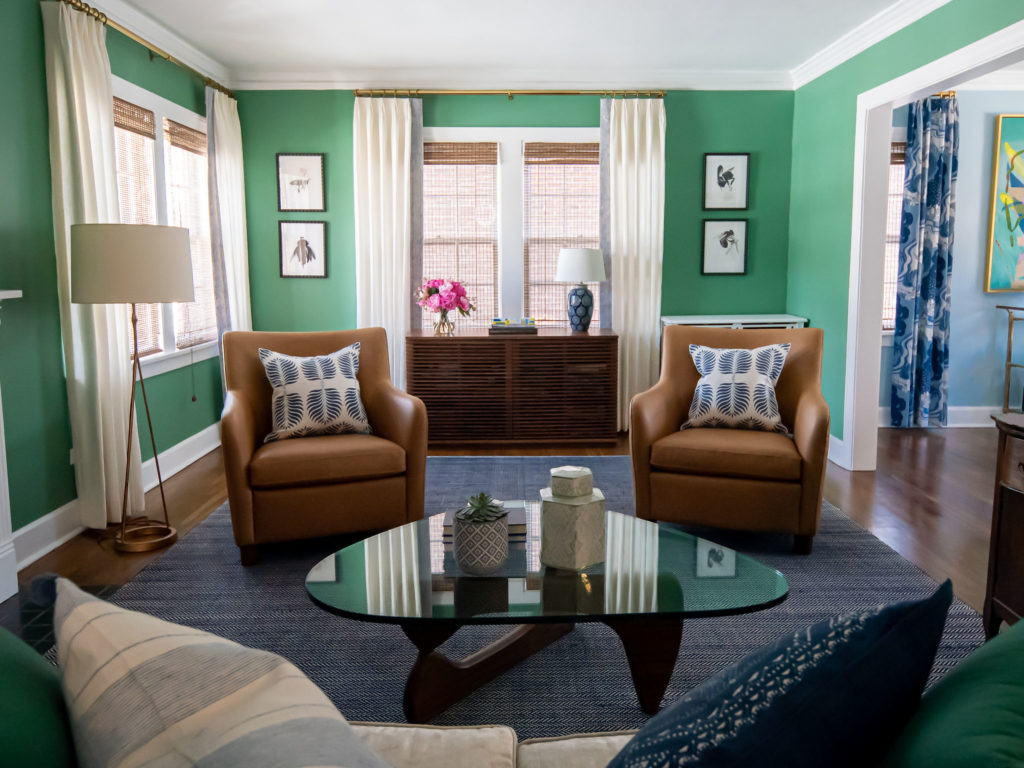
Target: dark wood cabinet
<point x="1004" y="597"/>
<point x="552" y="387"/>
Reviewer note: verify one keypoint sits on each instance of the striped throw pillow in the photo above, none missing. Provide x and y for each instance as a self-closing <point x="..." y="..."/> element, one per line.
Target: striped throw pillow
<point x="141" y="691"/>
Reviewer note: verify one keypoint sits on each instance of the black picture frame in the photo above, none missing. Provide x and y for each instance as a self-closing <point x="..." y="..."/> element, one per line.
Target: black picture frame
<point x="320" y="169"/>
<point x="293" y="230"/>
<point x="716" y="229"/>
<point x="726" y="175"/>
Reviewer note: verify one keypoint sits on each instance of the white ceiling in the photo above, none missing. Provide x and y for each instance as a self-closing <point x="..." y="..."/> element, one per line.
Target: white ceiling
<point x="527" y="43"/>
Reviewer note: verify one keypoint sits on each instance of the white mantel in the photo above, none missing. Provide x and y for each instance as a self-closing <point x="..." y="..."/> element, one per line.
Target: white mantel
<point x="8" y="560"/>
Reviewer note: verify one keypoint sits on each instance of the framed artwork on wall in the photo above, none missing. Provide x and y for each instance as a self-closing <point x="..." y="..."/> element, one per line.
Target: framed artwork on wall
<point x="726" y="181"/>
<point x="303" y="248"/>
<point x="300" y="182"/>
<point x="724" y="247"/>
<point x="1004" y="261"/>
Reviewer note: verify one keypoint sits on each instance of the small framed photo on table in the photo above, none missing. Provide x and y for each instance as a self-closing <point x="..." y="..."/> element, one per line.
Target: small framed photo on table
<point x="300" y="182"/>
<point x="726" y="181"/>
<point x="303" y="248"/>
<point x="724" y="247"/>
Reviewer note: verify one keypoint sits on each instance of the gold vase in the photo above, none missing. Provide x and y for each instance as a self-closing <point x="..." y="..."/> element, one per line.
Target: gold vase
<point x="444" y="326"/>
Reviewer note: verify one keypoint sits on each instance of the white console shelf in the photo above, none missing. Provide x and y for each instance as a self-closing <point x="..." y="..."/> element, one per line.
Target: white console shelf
<point x="736" y="321"/>
<point x="8" y="560"/>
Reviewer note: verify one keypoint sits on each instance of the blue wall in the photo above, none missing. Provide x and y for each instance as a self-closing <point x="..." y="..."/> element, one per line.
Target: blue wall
<point x="977" y="338"/>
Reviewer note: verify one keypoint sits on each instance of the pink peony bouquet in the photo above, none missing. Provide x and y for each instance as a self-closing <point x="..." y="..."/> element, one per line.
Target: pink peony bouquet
<point x="444" y="296"/>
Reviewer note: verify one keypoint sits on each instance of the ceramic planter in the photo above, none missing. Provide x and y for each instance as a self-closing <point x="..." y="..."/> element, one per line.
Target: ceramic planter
<point x="480" y="548"/>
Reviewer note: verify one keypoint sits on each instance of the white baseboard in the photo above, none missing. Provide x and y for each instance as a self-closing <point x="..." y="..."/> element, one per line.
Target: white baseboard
<point x="179" y="456"/>
<point x="47" y="533"/>
<point x="8" y="571"/>
<point x="839" y="452"/>
<point x="958" y="416"/>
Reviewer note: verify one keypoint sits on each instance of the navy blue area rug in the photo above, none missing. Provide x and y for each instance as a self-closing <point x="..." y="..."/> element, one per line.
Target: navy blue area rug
<point x="579" y="683"/>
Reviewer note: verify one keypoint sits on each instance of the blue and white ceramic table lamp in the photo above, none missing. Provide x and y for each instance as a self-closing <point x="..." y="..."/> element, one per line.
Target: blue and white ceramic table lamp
<point x="580" y="265"/>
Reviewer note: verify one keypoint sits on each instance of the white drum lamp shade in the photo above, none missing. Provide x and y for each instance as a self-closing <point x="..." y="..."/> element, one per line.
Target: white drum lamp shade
<point x="130" y="263"/>
<point x="580" y="265"/>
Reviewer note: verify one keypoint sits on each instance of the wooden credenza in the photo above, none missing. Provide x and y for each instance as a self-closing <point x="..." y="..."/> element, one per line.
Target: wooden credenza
<point x="552" y="387"/>
<point x="1004" y="597"/>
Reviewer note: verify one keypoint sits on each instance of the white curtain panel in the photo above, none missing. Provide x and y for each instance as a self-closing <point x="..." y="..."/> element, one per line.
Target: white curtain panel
<point x="227" y="212"/>
<point x="393" y="573"/>
<point x="96" y="336"/>
<point x="636" y="205"/>
<point x="382" y="147"/>
<point x="630" y="566"/>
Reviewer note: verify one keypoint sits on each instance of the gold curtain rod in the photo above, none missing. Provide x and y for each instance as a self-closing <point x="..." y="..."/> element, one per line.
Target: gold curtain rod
<point x="416" y="92"/>
<point x="102" y="18"/>
<point x="944" y="95"/>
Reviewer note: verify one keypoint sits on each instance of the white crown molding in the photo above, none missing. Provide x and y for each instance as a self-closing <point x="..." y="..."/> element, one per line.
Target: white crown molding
<point x="455" y="79"/>
<point x="1010" y="79"/>
<point x="152" y="30"/>
<point x="860" y="38"/>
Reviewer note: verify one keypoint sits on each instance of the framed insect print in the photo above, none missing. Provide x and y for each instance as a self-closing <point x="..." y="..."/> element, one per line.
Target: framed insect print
<point x="303" y="248"/>
<point x="724" y="250"/>
<point x="300" y="182"/>
<point x="726" y="181"/>
<point x="1004" y="262"/>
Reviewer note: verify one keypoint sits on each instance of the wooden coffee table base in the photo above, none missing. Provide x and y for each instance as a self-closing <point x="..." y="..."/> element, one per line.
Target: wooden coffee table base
<point x="436" y="682"/>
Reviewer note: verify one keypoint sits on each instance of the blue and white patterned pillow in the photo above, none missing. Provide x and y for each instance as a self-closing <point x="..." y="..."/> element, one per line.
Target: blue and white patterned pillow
<point x="737" y="387"/>
<point x="315" y="395"/>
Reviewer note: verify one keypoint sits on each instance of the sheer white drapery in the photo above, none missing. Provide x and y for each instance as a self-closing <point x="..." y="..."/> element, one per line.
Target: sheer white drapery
<point x="382" y="150"/>
<point x="636" y="215"/>
<point x="227" y="213"/>
<point x="95" y="336"/>
<point x="393" y="573"/>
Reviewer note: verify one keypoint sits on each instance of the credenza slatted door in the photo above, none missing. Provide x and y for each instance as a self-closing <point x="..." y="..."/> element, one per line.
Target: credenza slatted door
<point x="555" y="387"/>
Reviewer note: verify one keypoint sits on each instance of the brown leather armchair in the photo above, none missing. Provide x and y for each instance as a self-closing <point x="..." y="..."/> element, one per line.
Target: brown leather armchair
<point x="317" y="486"/>
<point x="732" y="478"/>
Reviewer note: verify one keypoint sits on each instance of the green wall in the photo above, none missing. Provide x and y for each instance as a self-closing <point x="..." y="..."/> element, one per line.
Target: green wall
<point x="36" y="426"/>
<point x="822" y="179"/>
<point x="759" y="122"/>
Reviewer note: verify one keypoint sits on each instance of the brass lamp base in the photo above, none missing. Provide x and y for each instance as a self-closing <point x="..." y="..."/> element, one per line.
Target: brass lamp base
<point x="145" y="538"/>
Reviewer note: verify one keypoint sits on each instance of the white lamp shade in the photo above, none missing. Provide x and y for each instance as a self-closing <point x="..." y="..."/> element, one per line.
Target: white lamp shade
<point x="130" y="263"/>
<point x="580" y="265"/>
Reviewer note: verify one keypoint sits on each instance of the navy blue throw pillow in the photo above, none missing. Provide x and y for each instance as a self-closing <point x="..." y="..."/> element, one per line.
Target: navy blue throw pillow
<point x="835" y="694"/>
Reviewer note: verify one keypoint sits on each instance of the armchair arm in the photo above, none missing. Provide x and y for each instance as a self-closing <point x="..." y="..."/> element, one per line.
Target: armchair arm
<point x="810" y="433"/>
<point x="652" y="415"/>
<point x="402" y="418"/>
<point x="238" y="443"/>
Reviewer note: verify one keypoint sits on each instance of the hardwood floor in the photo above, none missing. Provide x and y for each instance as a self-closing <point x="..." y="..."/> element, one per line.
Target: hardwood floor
<point x="930" y="500"/>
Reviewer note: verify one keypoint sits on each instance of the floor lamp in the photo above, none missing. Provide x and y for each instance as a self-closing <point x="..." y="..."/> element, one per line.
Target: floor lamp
<point x="133" y="264"/>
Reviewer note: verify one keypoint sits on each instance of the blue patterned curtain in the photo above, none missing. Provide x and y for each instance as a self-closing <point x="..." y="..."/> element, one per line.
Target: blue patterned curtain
<point x="920" y="359"/>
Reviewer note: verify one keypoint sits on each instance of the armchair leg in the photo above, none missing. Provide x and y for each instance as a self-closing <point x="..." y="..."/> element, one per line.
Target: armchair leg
<point x="249" y="554"/>
<point x="802" y="543"/>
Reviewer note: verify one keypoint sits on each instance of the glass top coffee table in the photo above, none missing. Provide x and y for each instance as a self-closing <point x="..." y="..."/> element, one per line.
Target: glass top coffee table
<point x="653" y="577"/>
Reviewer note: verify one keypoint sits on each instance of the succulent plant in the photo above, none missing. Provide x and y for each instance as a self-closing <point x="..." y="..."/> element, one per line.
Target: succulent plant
<point x="482" y="508"/>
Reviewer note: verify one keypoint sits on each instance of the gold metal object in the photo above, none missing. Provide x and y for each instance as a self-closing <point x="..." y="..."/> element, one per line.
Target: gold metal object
<point x="416" y="92"/>
<point x="102" y="18"/>
<point x="944" y="95"/>
<point x="148" y="534"/>
<point x="1010" y="365"/>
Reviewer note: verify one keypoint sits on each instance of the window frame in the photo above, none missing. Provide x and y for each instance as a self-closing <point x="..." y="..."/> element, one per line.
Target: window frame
<point x="170" y="358"/>
<point x="897" y="135"/>
<point x="510" y="195"/>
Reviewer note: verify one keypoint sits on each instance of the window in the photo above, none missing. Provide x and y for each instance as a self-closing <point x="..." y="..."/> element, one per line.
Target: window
<point x="162" y="179"/>
<point x="893" y="217"/>
<point x="498" y="205"/>
<point x="561" y="209"/>
<point x="460" y="224"/>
